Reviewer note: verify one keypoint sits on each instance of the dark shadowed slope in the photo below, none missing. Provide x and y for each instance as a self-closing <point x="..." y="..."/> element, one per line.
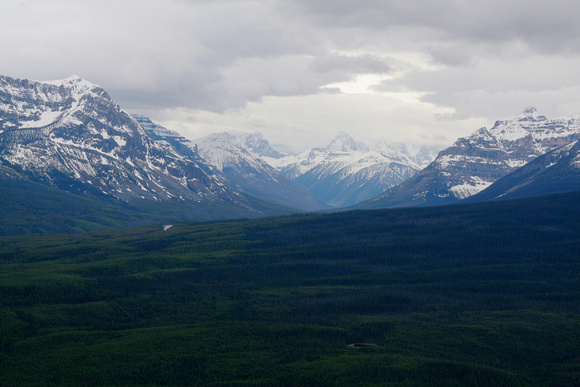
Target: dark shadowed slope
<point x="554" y="172"/>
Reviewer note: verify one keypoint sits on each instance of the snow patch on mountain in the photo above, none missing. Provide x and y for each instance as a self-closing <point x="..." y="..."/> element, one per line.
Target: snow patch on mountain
<point x="576" y="161"/>
<point x="222" y="150"/>
<point x="476" y="184"/>
<point x="257" y="144"/>
<point x="45" y="118"/>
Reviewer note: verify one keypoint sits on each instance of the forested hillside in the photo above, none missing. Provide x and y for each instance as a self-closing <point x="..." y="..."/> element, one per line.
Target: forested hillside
<point x="481" y="294"/>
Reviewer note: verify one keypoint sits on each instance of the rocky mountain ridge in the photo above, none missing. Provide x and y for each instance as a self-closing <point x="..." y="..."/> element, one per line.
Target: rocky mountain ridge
<point x="475" y="162"/>
<point x="71" y="135"/>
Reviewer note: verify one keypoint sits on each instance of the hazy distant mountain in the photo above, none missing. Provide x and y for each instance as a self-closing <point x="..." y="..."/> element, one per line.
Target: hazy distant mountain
<point x="258" y="145"/>
<point x="473" y="163"/>
<point x="346" y="172"/>
<point x="422" y="155"/>
<point x="249" y="173"/>
<point x="71" y="135"/>
<point x="557" y="171"/>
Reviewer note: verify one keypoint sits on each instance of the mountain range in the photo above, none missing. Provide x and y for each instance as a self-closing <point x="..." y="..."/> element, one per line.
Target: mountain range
<point x="249" y="173"/>
<point x="72" y="136"/>
<point x="68" y="137"/>
<point x="474" y="163"/>
<point x="343" y="173"/>
<point x="237" y="166"/>
<point x="346" y="171"/>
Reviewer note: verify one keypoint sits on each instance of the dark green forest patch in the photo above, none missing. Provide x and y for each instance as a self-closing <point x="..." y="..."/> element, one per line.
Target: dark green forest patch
<point x="483" y="294"/>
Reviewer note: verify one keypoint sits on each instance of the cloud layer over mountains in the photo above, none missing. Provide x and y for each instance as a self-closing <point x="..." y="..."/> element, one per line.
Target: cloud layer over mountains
<point x="421" y="71"/>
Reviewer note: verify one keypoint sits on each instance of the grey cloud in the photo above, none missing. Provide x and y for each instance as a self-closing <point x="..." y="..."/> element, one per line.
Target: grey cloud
<point x="253" y="78"/>
<point x="491" y="74"/>
<point x="376" y="14"/>
<point x="493" y="85"/>
<point x="545" y="26"/>
<point x="361" y="64"/>
<point x="220" y="55"/>
<point x="165" y="53"/>
<point x="456" y="56"/>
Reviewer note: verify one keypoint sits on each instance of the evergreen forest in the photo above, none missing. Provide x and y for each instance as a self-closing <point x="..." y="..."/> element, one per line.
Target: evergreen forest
<point x="483" y="294"/>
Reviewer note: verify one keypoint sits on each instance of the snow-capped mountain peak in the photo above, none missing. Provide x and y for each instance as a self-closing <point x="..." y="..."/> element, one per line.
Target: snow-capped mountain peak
<point x="257" y="144"/>
<point x="55" y="103"/>
<point x="250" y="173"/>
<point x="344" y="143"/>
<point x="222" y="150"/>
<point x="532" y="113"/>
<point x="74" y="82"/>
<point x="533" y="134"/>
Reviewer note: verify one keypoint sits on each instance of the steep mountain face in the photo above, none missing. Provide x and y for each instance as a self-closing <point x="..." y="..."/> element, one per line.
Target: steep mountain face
<point x="162" y="134"/>
<point x="557" y="171"/>
<point x="473" y="163"/>
<point x="249" y="173"/>
<point x="70" y="134"/>
<point x="346" y="172"/>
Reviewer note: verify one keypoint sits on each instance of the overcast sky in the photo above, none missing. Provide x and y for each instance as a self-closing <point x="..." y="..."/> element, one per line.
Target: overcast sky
<point x="300" y="71"/>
